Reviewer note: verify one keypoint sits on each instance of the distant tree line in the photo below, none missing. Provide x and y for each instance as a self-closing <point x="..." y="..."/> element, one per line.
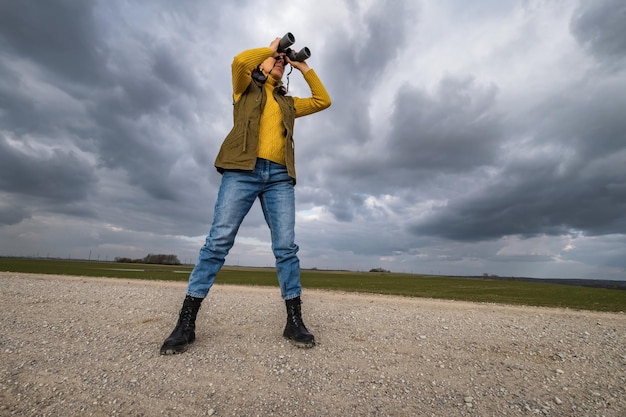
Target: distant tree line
<point x="152" y="258"/>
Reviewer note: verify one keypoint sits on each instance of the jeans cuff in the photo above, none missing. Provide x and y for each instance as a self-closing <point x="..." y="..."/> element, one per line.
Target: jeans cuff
<point x="291" y="296"/>
<point x="196" y="295"/>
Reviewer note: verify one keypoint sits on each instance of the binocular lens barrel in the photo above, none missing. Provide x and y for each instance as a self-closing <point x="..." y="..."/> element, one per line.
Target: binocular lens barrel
<point x="286" y="42"/>
<point x="284" y="46"/>
<point x="303" y="54"/>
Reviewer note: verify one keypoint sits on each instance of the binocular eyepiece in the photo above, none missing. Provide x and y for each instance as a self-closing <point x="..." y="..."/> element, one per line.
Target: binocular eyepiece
<point x="284" y="46"/>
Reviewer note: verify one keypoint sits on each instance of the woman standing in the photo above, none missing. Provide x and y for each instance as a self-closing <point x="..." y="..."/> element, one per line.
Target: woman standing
<point x="256" y="160"/>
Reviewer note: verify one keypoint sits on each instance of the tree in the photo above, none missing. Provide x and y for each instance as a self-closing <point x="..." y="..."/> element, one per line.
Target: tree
<point x="161" y="259"/>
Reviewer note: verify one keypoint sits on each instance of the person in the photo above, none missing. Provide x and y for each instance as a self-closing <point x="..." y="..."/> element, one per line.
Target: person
<point x="256" y="160"/>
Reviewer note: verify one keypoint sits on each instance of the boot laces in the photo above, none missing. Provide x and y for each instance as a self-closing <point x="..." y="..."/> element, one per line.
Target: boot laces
<point x="295" y="315"/>
<point x="186" y="317"/>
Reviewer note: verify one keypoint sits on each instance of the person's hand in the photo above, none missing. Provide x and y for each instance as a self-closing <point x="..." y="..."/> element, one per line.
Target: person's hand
<point x="303" y="67"/>
<point x="274" y="46"/>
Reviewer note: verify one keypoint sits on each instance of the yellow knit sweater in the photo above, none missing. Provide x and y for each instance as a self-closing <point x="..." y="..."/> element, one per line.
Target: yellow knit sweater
<point x="271" y="138"/>
<point x="271" y="130"/>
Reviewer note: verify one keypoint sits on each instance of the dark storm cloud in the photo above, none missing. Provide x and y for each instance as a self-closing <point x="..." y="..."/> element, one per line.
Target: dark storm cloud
<point x="59" y="35"/>
<point x="51" y="179"/>
<point x="610" y="252"/>
<point x="19" y="110"/>
<point x="457" y="129"/>
<point x="170" y="69"/>
<point x="454" y="130"/>
<point x="600" y="26"/>
<point x="127" y="90"/>
<point x="588" y="118"/>
<point x="355" y="63"/>
<point x="566" y="177"/>
<point x="460" y="130"/>
<point x="358" y="60"/>
<point x="12" y="214"/>
<point x="56" y="175"/>
<point x="385" y="34"/>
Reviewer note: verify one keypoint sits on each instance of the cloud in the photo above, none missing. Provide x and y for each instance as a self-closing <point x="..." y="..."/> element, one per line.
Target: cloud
<point x="59" y="175"/>
<point x="599" y="27"/>
<point x="560" y="177"/>
<point x="454" y="130"/>
<point x="462" y="138"/>
<point x="58" y="36"/>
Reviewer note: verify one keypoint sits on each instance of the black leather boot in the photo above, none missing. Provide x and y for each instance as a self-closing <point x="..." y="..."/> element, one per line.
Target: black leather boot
<point x="184" y="332"/>
<point x="295" y="330"/>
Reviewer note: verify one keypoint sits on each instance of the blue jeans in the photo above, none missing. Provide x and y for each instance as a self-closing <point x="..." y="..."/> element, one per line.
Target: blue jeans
<point x="273" y="186"/>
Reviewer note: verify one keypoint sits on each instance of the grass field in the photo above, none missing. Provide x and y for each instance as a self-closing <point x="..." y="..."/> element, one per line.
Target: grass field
<point x="410" y="285"/>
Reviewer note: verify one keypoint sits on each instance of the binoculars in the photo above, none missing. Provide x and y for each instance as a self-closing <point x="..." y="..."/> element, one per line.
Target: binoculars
<point x="284" y="46"/>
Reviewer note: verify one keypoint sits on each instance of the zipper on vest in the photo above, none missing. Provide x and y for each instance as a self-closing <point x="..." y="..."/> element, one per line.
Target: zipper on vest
<point x="245" y="136"/>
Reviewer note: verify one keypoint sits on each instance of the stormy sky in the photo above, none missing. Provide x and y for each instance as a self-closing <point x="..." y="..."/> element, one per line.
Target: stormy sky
<point x="464" y="137"/>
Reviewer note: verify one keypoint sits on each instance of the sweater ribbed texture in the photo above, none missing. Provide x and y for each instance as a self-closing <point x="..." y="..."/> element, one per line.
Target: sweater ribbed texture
<point x="271" y="137"/>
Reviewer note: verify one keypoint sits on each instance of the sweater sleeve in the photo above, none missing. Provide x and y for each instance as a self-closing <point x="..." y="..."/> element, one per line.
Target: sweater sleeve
<point x="319" y="99"/>
<point x="242" y="68"/>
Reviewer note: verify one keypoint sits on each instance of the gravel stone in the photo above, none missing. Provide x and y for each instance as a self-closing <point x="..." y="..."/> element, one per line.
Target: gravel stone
<point x="90" y="347"/>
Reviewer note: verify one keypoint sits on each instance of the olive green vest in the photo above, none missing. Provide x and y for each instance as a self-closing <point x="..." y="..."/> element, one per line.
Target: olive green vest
<point x="240" y="148"/>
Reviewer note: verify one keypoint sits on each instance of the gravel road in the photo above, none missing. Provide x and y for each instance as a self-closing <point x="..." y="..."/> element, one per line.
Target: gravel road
<point x="90" y="347"/>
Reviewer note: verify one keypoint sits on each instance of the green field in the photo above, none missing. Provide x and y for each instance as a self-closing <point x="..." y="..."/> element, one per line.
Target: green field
<point x="410" y="285"/>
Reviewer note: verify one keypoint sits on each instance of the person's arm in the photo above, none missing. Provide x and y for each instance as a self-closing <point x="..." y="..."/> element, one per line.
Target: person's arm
<point x="246" y="62"/>
<point x="242" y="68"/>
<point x="319" y="99"/>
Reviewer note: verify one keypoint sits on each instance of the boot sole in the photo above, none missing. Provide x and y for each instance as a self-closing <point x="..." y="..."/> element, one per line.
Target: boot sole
<point x="302" y="345"/>
<point x="174" y="350"/>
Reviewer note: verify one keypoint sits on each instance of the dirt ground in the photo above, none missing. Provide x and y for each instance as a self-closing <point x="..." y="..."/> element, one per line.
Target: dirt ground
<point x="86" y="346"/>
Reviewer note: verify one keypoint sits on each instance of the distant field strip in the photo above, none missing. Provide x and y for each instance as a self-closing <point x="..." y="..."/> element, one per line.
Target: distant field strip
<point x="486" y="290"/>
